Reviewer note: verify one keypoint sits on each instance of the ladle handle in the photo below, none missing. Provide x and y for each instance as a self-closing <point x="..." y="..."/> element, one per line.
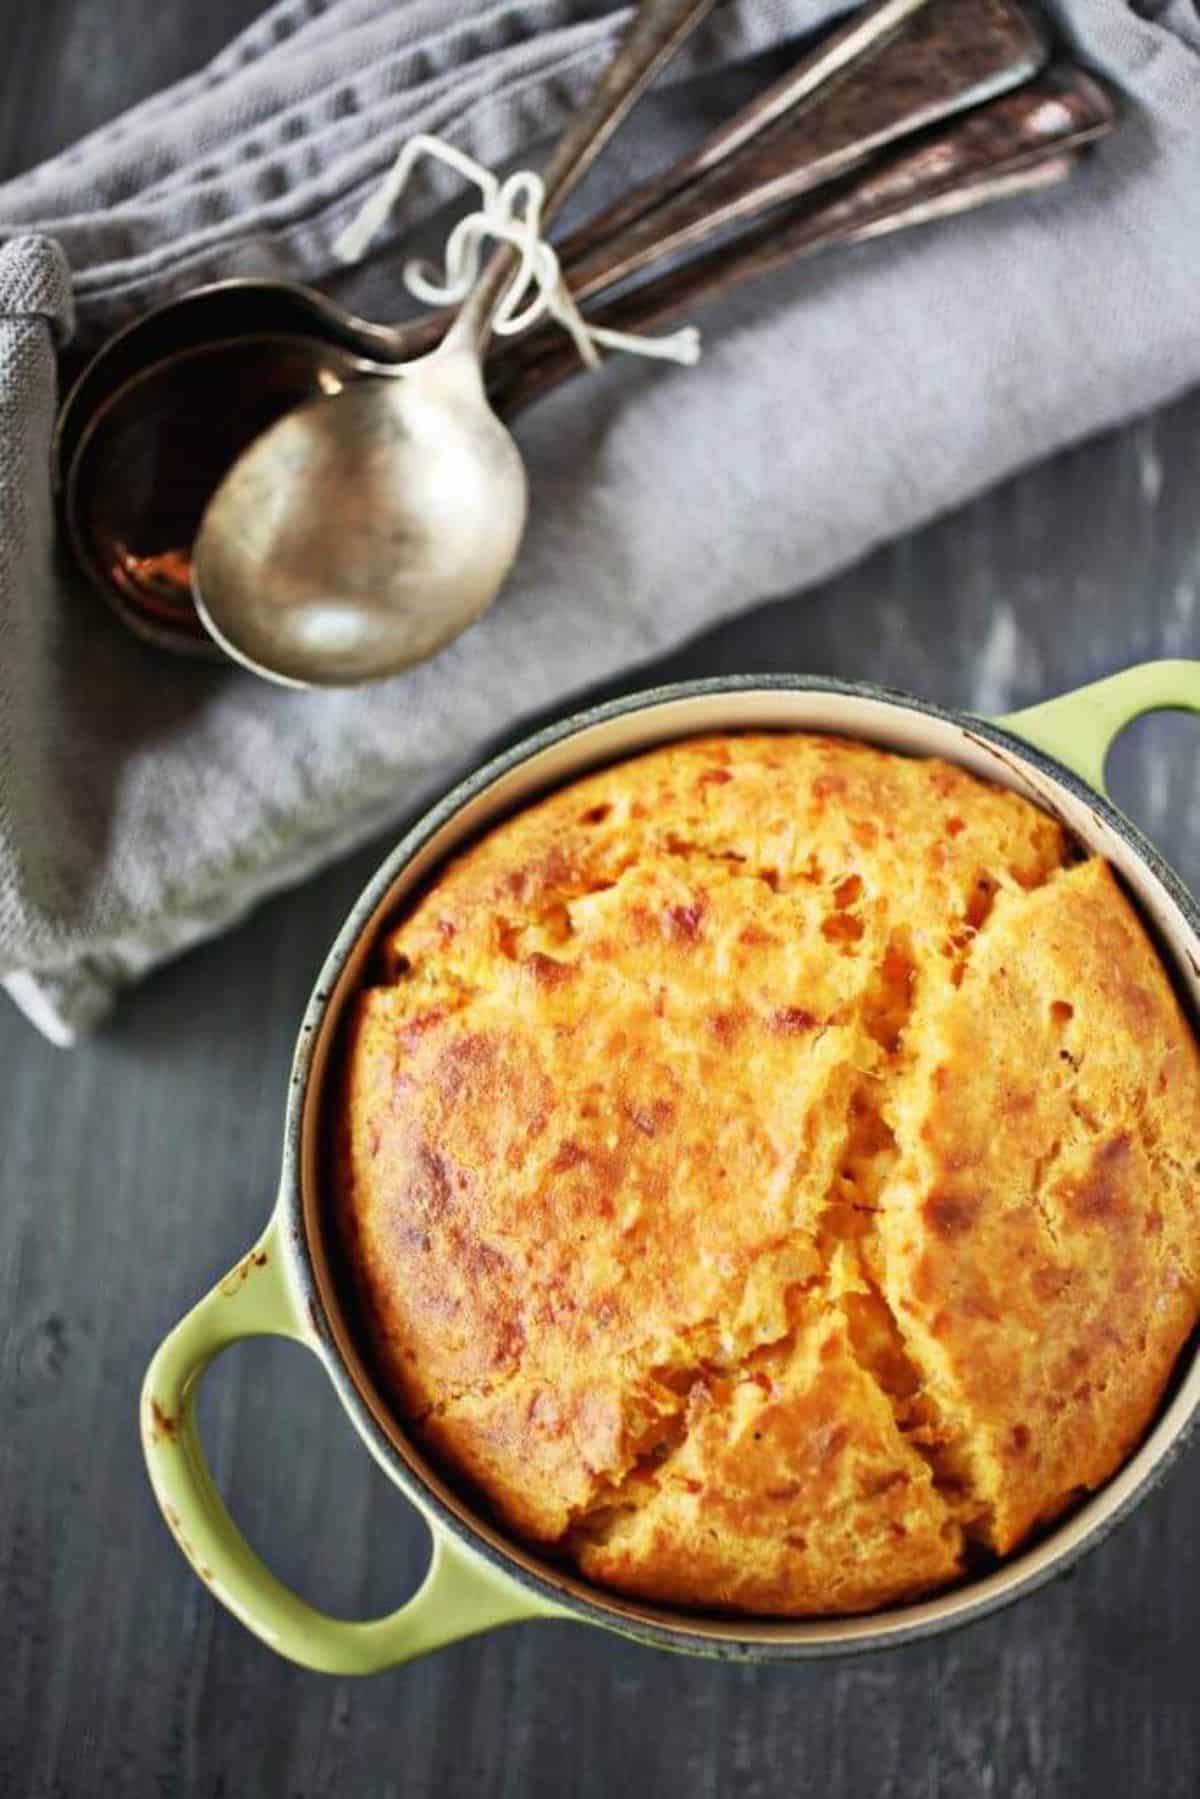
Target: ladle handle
<point x="657" y="32"/>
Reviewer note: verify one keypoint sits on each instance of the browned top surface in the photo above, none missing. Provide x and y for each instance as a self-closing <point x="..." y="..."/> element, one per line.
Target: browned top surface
<point x="770" y="1162"/>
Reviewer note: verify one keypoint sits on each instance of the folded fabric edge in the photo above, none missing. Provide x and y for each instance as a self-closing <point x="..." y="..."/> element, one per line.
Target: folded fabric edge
<point x="35" y="283"/>
<point x="70" y="1001"/>
<point x="43" y="1007"/>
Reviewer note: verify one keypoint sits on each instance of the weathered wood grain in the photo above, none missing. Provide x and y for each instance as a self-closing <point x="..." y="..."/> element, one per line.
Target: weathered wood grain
<point x="136" y="1168"/>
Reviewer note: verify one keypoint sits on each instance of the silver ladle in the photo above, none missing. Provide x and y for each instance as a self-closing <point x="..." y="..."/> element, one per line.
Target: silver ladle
<point x="368" y="528"/>
<point x="147" y="432"/>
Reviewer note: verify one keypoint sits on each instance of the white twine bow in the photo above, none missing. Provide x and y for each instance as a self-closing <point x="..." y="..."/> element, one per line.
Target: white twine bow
<point x="511" y="213"/>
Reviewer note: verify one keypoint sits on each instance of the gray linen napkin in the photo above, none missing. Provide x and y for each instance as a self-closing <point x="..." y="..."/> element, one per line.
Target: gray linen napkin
<point x="146" y="802"/>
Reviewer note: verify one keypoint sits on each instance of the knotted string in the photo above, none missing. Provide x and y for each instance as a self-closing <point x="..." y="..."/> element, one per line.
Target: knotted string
<point x="511" y="213"/>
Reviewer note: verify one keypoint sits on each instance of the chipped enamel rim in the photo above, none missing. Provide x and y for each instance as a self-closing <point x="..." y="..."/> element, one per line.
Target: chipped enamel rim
<point x="479" y="1577"/>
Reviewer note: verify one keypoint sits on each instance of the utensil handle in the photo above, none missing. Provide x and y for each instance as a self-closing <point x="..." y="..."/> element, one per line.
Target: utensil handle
<point x="943" y="63"/>
<point x="790" y="139"/>
<point x="658" y="30"/>
<point x="461" y="1594"/>
<point x="1015" y="144"/>
<point x="1079" y="729"/>
<point x="865" y="32"/>
<point x="528" y="367"/>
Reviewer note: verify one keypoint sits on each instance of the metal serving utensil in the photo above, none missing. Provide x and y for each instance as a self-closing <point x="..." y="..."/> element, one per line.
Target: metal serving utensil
<point x="141" y="445"/>
<point x="222" y="311"/>
<point x="949" y="57"/>
<point x="1013" y="146"/>
<point x="1017" y="144"/>
<point x="1002" y="147"/>
<point x="369" y="527"/>
<point x="809" y="126"/>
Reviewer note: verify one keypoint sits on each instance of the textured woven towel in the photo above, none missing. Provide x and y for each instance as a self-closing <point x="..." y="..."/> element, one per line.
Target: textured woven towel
<point x="146" y="802"/>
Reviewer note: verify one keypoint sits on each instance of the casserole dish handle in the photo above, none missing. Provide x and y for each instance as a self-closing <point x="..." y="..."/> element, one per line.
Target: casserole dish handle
<point x="1079" y="728"/>
<point x="461" y="1594"/>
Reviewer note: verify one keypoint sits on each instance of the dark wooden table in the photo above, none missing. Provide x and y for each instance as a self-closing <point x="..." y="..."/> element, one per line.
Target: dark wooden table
<point x="136" y="1168"/>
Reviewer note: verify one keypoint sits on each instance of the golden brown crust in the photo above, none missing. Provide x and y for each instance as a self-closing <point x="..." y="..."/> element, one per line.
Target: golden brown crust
<point x="1040" y="1237"/>
<point x="769" y="1163"/>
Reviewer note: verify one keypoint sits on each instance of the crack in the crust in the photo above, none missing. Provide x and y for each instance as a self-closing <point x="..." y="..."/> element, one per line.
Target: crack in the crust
<point x="1041" y="1171"/>
<point x="875" y="1332"/>
<point x="1092" y="1126"/>
<point x="980" y="908"/>
<point x="735" y="864"/>
<point x="668" y="1435"/>
<point x="637" y="1484"/>
<point x="867" y="1149"/>
<point x="552" y="920"/>
<point x="554" y="925"/>
<point x="594" y="1519"/>
<point x="879" y="1345"/>
<point x="858" y="1195"/>
<point x="856" y="1199"/>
